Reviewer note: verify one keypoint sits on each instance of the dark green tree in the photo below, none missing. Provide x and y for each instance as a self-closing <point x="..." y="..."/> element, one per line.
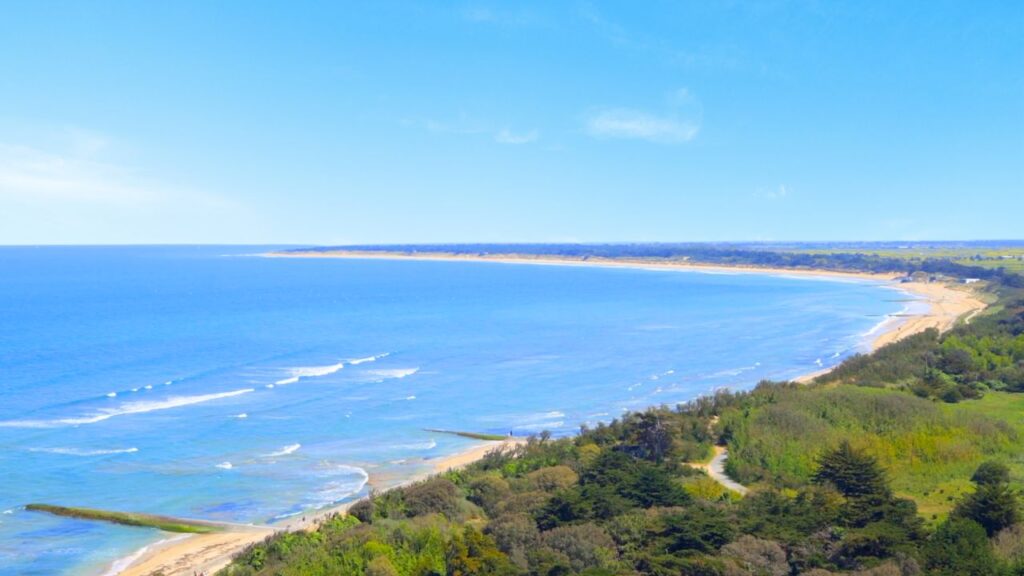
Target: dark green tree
<point x="960" y="548"/>
<point x="696" y="528"/>
<point x="991" y="473"/>
<point x="853" y="473"/>
<point x="993" y="504"/>
<point x="653" y="436"/>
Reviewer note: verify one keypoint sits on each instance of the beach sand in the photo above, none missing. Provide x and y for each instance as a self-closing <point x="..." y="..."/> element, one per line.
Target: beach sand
<point x="566" y="261"/>
<point x="209" y="553"/>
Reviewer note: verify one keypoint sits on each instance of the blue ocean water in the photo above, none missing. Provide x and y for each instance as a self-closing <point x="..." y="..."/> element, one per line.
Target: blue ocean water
<point x="208" y="383"/>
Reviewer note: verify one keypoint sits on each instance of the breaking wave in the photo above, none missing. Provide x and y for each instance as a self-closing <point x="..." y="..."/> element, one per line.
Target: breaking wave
<point x="358" y="361"/>
<point x="394" y="373"/>
<point x="123" y="410"/>
<point x="309" y="372"/>
<point x="337" y="490"/>
<point x="82" y="452"/>
<point x="289" y="449"/>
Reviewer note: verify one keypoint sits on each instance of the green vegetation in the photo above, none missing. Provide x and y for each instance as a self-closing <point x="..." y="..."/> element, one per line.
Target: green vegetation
<point x="471" y="435"/>
<point x="929" y="450"/>
<point x="908" y="461"/>
<point x="987" y="354"/>
<point x="1010" y="257"/>
<point x="165" y="523"/>
<point x="615" y="499"/>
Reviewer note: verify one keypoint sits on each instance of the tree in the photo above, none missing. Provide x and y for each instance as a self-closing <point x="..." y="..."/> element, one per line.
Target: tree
<point x="853" y="473"/>
<point x="960" y="548"/>
<point x="991" y="473"/>
<point x="515" y="535"/>
<point x="993" y="504"/>
<point x="471" y="553"/>
<point x="435" y="495"/>
<point x="653" y="436"/>
<point x="381" y="566"/>
<point x="696" y="528"/>
<point x="755" y="556"/>
<point x="585" y="545"/>
<point x="488" y="491"/>
<point x="552" y="478"/>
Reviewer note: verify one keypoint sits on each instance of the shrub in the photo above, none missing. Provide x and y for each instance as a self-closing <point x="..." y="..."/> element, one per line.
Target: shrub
<point x="552" y="478"/>
<point x="436" y="495"/>
<point x="488" y="491"/>
<point x="380" y="566"/>
<point x="585" y="545"/>
<point x="515" y="535"/>
<point x="756" y="556"/>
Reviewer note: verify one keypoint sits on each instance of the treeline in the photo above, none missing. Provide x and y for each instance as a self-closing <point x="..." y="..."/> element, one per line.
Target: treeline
<point x="724" y="254"/>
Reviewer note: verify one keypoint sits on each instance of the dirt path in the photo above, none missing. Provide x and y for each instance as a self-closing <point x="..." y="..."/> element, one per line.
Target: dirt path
<point x="715" y="469"/>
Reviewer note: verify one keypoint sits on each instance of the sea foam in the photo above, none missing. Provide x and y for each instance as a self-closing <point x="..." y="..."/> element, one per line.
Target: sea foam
<point x="309" y="372"/>
<point x="123" y="410"/>
<point x="337" y="490"/>
<point x="83" y="452"/>
<point x="284" y="451"/>
<point x="358" y="361"/>
<point x="394" y="373"/>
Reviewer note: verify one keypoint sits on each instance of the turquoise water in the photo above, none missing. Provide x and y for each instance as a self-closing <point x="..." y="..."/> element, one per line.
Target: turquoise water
<point x="203" y="382"/>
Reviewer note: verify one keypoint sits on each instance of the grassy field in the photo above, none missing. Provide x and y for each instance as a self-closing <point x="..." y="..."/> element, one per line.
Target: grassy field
<point x="930" y="449"/>
<point x="1012" y="259"/>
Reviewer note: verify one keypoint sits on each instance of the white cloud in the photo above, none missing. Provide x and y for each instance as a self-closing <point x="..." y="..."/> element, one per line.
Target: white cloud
<point x="505" y="136"/>
<point x="638" y="125"/>
<point x="28" y="173"/>
<point x="75" y="171"/>
<point x="74" y="187"/>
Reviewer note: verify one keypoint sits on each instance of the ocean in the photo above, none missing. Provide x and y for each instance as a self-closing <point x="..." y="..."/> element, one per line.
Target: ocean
<point x="207" y="382"/>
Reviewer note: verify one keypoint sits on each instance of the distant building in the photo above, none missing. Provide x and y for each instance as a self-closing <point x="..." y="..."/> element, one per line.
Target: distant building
<point x="971" y="280"/>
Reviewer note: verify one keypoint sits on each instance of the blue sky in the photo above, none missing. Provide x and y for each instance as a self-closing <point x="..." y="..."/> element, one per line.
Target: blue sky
<point x="338" y="122"/>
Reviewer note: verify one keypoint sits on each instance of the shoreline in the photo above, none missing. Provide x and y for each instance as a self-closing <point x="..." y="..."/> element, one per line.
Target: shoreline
<point x="186" y="555"/>
<point x="635" y="263"/>
<point x="210" y="553"/>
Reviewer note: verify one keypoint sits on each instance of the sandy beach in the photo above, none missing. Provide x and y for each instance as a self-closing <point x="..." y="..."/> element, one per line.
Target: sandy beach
<point x="565" y="261"/>
<point x="183" y="556"/>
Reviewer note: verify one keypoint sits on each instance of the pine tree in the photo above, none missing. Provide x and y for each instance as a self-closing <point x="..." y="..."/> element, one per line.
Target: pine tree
<point x="853" y="473"/>
<point x="994" y="503"/>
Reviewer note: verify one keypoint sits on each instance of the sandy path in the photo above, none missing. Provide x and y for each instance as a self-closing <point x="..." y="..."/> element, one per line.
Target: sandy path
<point x="715" y="469"/>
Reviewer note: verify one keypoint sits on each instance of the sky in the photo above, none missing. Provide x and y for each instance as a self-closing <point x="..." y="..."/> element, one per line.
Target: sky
<point x="416" y="122"/>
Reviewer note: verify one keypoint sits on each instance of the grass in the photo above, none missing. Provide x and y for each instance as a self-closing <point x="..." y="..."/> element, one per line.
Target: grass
<point x="473" y="435"/>
<point x="165" y="523"/>
<point x="930" y="449"/>
<point x="1012" y="259"/>
<point x="994" y="406"/>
